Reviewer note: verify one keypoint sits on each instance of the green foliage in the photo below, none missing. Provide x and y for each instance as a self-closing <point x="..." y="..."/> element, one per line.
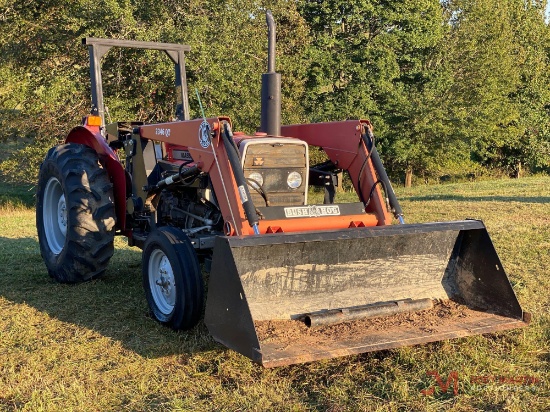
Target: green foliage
<point x="451" y="86"/>
<point x="532" y="93"/>
<point x="499" y="57"/>
<point x="45" y="88"/>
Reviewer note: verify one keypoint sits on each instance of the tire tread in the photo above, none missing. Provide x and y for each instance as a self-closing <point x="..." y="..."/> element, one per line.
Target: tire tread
<point x="91" y="213"/>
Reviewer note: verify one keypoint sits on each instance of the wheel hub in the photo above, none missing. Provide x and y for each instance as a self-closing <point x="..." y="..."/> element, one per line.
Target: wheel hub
<point x="62" y="215"/>
<point x="162" y="282"/>
<point x="165" y="277"/>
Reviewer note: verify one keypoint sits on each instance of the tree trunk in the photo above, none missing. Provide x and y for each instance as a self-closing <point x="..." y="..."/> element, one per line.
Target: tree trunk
<point x="340" y="179"/>
<point x="408" y="177"/>
<point x="518" y="169"/>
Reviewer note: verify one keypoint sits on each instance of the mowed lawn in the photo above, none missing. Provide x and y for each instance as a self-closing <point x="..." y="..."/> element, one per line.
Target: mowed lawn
<point x="94" y="347"/>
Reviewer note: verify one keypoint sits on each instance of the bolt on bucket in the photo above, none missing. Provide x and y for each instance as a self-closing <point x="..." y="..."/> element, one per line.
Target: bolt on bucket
<point x="281" y="299"/>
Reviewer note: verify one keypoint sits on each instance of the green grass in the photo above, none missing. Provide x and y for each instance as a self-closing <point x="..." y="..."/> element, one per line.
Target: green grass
<point x="95" y="347"/>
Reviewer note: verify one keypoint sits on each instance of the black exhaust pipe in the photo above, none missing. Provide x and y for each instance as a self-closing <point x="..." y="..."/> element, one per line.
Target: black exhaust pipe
<point x="271" y="87"/>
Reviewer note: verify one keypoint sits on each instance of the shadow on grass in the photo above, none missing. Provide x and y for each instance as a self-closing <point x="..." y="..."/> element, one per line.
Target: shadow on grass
<point x="113" y="306"/>
<point x="458" y="198"/>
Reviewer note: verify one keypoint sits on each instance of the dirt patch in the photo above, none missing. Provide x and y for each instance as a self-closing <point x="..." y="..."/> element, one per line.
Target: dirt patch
<point x="283" y="333"/>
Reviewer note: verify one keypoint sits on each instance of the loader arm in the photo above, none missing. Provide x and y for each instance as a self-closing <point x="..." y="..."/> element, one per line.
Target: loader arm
<point x="211" y="157"/>
<point x="344" y="146"/>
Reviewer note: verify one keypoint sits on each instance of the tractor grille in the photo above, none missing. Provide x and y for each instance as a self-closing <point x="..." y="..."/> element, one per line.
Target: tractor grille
<point x="275" y="160"/>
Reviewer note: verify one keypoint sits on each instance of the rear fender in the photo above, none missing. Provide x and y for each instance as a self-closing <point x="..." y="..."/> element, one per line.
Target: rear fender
<point x="109" y="160"/>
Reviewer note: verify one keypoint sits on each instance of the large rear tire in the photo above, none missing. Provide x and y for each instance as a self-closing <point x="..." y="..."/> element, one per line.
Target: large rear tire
<point x="172" y="278"/>
<point x="75" y="214"/>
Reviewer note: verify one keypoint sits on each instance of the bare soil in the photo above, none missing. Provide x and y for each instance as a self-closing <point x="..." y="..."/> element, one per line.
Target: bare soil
<point x="284" y="333"/>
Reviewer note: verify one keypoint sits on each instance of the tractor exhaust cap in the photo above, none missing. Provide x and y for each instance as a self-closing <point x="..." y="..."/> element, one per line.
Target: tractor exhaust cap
<point x="270" y="122"/>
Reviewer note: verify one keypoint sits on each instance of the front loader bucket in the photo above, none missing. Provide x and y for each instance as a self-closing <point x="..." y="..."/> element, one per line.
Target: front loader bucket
<point x="282" y="299"/>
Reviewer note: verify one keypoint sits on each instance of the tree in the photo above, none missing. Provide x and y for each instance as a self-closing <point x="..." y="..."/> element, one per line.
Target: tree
<point x="419" y="138"/>
<point x="382" y="59"/>
<point x="499" y="61"/>
<point x="39" y="43"/>
<point x="45" y="84"/>
<point x="532" y="94"/>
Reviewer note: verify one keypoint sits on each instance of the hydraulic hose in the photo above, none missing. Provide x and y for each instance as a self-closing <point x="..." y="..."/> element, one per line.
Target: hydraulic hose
<point x="383" y="176"/>
<point x="244" y="193"/>
<point x="178" y="177"/>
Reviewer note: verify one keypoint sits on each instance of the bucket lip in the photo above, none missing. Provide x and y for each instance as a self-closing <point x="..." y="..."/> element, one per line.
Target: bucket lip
<point x="272" y="357"/>
<point x="354" y="233"/>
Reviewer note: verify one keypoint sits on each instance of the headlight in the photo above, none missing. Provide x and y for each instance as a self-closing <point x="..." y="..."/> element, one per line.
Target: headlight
<point x="294" y="180"/>
<point x="257" y="178"/>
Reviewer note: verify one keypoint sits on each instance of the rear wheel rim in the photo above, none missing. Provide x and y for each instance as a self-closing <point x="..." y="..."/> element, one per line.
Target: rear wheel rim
<point x="162" y="282"/>
<point x="54" y="215"/>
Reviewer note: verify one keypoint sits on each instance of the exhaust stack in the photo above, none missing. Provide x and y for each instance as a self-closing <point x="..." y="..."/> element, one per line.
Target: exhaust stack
<point x="271" y="87"/>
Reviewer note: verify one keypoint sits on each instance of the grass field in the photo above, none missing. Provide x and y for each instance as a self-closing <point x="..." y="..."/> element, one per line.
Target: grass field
<point x="94" y="347"/>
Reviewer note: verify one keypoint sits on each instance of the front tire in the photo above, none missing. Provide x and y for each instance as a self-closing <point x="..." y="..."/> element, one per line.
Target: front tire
<point x="75" y="214"/>
<point x="172" y="278"/>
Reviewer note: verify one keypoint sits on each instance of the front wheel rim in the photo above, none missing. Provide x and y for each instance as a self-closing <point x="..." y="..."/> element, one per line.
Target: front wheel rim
<point x="54" y="215"/>
<point x="162" y="282"/>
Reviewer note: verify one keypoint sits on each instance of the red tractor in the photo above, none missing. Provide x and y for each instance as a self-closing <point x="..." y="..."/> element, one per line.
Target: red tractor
<point x="284" y="274"/>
